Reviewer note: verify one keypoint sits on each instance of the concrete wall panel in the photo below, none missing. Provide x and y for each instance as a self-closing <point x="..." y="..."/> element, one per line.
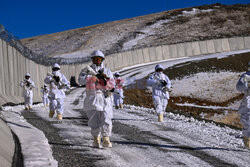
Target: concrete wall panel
<point x="188" y="49"/>
<point x="180" y="50"/>
<point x="247" y="42"/>
<point x="210" y="46"/>
<point x="173" y="51"/>
<point x="152" y="54"/>
<point x="2" y="84"/>
<point x="218" y="45"/>
<point x="158" y="51"/>
<point x="165" y="52"/>
<point x="120" y="62"/>
<point x="130" y="59"/>
<point x="140" y="56"/>
<point x="134" y="57"/>
<point x="6" y="68"/>
<point x="15" y="72"/>
<point x="203" y="47"/>
<point x="236" y="43"/>
<point x="225" y="45"/>
<point x="146" y="57"/>
<point x="11" y="69"/>
<point x="196" y="48"/>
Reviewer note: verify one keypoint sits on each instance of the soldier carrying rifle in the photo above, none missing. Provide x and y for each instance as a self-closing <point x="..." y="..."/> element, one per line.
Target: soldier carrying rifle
<point x="27" y="85"/>
<point x="98" y="102"/>
<point x="160" y="84"/>
<point x="58" y="83"/>
<point x="45" y="96"/>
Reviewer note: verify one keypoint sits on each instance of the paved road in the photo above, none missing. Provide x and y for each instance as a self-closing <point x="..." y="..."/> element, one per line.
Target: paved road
<point x="138" y="139"/>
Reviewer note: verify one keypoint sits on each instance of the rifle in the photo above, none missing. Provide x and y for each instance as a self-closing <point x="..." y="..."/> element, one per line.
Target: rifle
<point x="163" y="83"/>
<point x="100" y="75"/>
<point x="27" y="84"/>
<point x="57" y="81"/>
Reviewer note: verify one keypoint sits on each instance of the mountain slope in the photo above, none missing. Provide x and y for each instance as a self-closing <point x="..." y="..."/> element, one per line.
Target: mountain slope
<point x="168" y="27"/>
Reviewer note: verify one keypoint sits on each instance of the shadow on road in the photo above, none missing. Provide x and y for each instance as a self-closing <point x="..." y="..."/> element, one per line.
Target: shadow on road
<point x="176" y="147"/>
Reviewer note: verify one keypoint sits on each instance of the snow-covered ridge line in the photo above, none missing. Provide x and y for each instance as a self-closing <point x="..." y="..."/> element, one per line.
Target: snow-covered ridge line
<point x="35" y="148"/>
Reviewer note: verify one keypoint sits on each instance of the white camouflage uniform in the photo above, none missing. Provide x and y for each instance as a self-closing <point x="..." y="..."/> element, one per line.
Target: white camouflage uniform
<point x="56" y="93"/>
<point x="45" y="96"/>
<point x="244" y="109"/>
<point x="98" y="107"/>
<point x="118" y="93"/>
<point x="160" y="96"/>
<point x="27" y="85"/>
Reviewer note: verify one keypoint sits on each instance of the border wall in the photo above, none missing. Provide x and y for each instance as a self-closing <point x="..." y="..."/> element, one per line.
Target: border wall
<point x="13" y="65"/>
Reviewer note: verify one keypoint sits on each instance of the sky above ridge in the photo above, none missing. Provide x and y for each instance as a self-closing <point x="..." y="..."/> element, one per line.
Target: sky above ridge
<point x="28" y="18"/>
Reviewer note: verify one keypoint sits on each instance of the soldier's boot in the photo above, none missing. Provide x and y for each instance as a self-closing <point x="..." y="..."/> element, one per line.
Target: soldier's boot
<point x="59" y="116"/>
<point x="121" y="106"/>
<point x="51" y="113"/>
<point x="160" y="117"/>
<point x="116" y="107"/>
<point x="106" y="142"/>
<point x="97" y="142"/>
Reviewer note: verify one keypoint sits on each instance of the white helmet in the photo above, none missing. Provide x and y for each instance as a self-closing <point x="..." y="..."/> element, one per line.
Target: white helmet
<point x="117" y="74"/>
<point x="56" y="66"/>
<point x="97" y="53"/>
<point x="27" y="75"/>
<point x="158" y="66"/>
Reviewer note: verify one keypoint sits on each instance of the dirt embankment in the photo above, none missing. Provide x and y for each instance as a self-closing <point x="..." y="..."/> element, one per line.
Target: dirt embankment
<point x="234" y="63"/>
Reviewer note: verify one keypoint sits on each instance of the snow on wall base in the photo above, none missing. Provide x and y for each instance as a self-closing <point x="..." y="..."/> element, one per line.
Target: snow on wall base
<point x="35" y="148"/>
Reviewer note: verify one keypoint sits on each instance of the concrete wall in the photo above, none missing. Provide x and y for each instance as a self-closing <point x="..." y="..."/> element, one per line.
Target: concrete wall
<point x="7" y="145"/>
<point x="158" y="53"/>
<point x="13" y="66"/>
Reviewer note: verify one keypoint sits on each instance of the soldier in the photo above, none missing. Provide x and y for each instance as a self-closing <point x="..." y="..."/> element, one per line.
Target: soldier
<point x="160" y="84"/>
<point x="27" y="85"/>
<point x="98" y="102"/>
<point x="45" y="97"/>
<point x="243" y="85"/>
<point x="58" y="83"/>
<point x="118" y="91"/>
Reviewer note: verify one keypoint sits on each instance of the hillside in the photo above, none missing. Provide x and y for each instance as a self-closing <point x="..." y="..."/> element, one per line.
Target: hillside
<point x="168" y="27"/>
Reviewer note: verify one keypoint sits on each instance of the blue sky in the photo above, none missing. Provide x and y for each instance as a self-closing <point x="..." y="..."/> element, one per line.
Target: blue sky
<point x="27" y="18"/>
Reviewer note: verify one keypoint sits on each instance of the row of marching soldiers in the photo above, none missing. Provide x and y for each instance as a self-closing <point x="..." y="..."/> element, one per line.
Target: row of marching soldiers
<point x="101" y="84"/>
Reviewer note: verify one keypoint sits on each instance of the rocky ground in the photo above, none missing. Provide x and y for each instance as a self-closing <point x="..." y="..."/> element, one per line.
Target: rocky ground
<point x="168" y="27"/>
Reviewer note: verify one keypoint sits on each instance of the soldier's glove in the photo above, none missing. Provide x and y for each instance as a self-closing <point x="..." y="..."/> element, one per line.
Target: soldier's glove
<point x="56" y="78"/>
<point x="163" y="83"/>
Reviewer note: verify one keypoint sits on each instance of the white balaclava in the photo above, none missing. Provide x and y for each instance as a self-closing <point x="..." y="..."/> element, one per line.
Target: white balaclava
<point x="27" y="75"/>
<point x="158" y="66"/>
<point x="56" y="73"/>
